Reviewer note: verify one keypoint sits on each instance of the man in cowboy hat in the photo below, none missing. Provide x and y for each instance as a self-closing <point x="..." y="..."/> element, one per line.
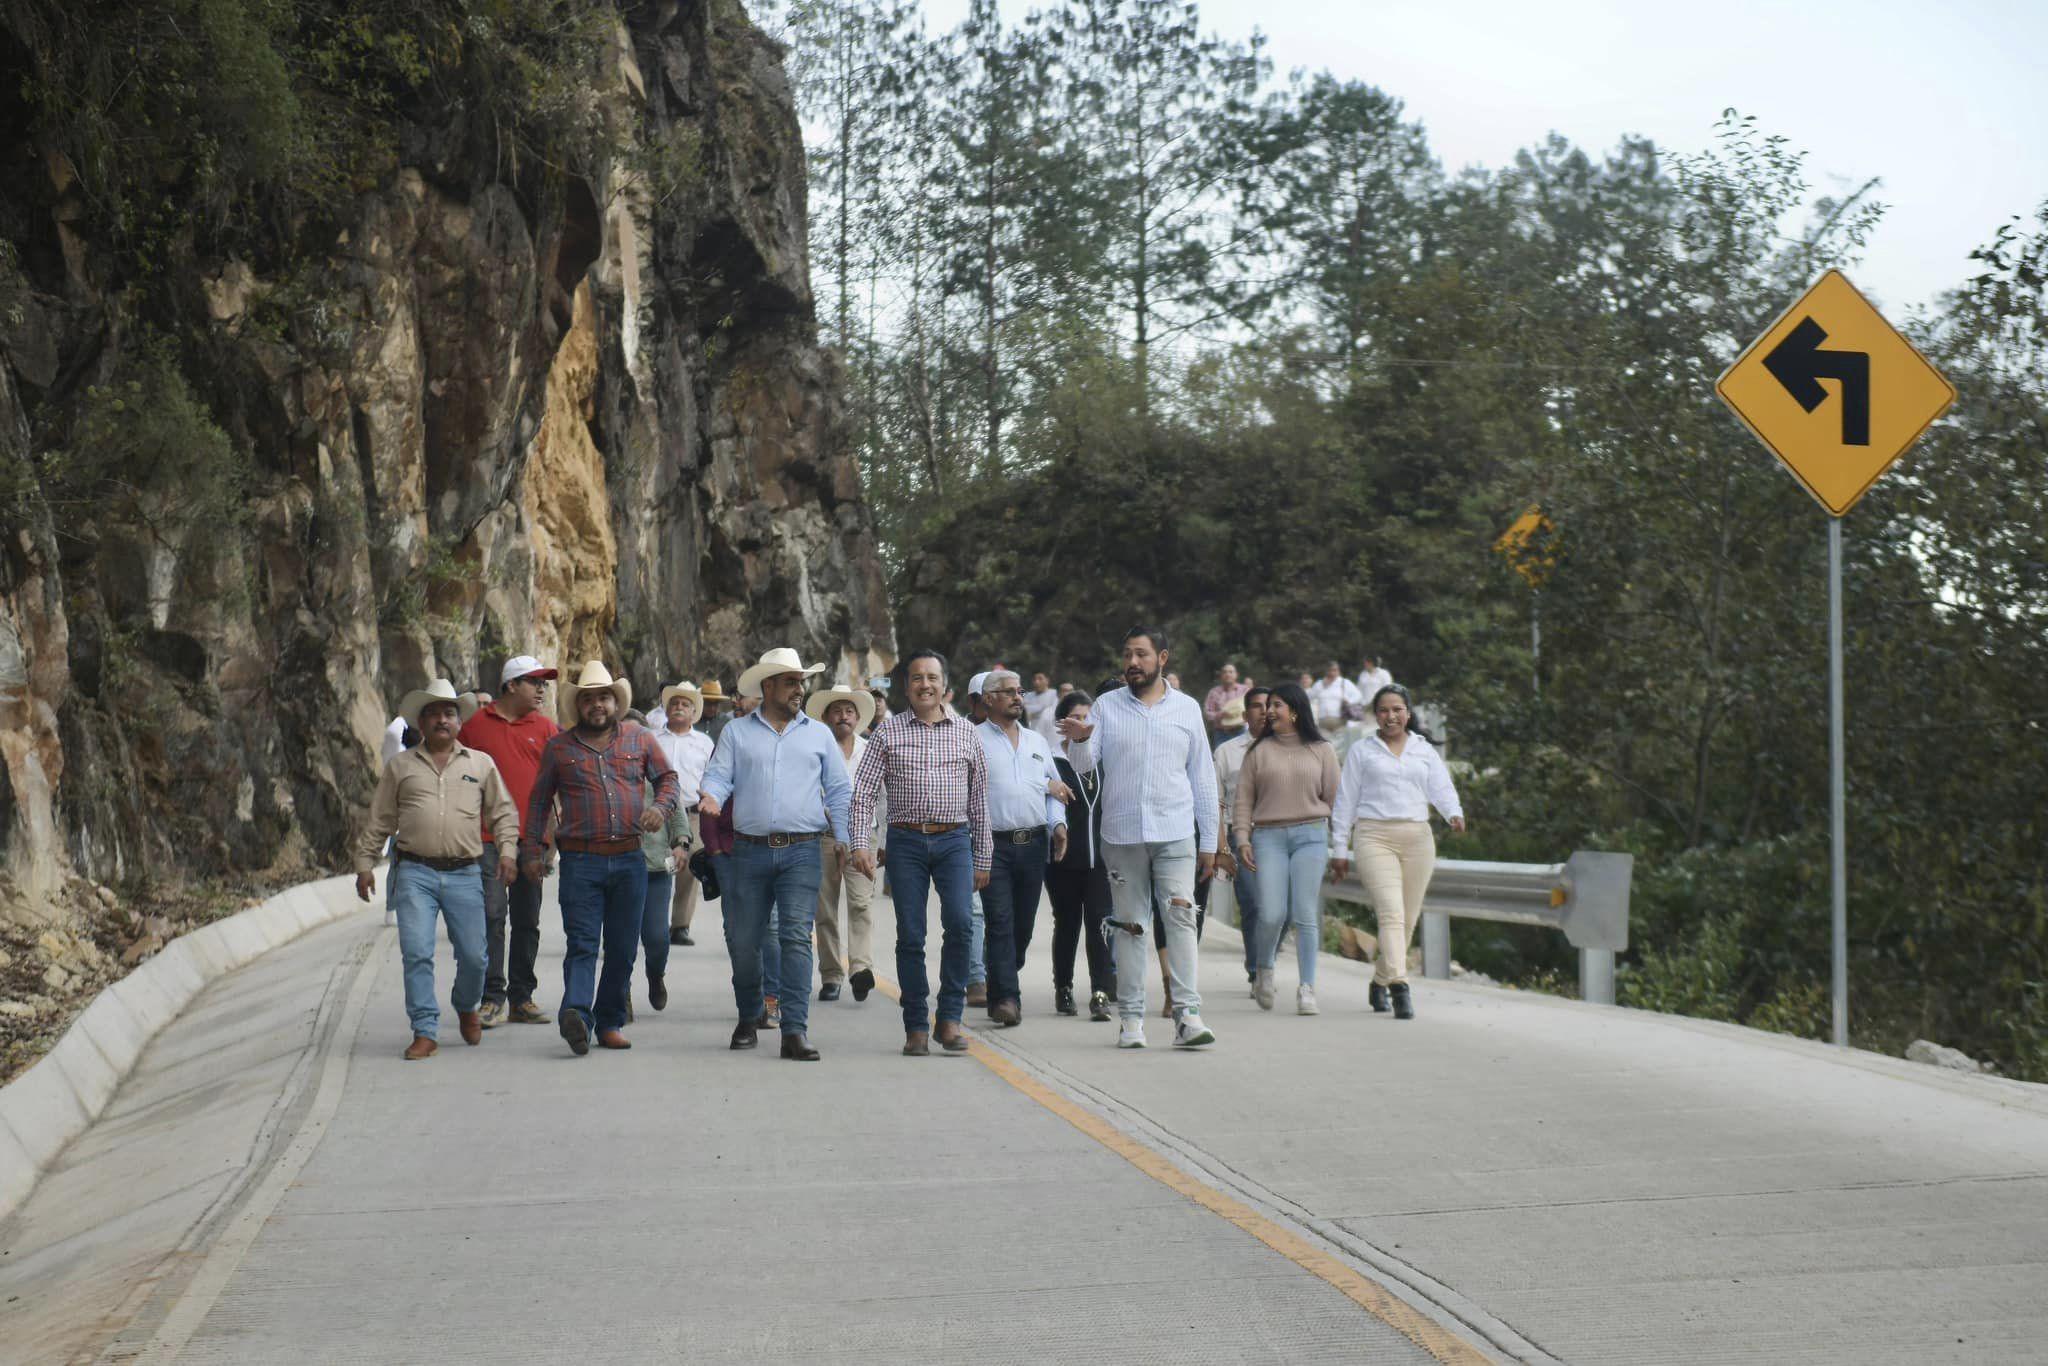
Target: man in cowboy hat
<point x="849" y="714"/>
<point x="878" y="688"/>
<point x="714" y="717"/>
<point x="513" y="729"/>
<point x="436" y="798"/>
<point x="783" y="773"/>
<point x="688" y="751"/>
<point x="598" y="772"/>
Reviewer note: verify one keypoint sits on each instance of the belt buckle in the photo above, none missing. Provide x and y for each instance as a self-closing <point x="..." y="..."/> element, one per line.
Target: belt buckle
<point x="778" y="841"/>
<point x="1020" y="837"/>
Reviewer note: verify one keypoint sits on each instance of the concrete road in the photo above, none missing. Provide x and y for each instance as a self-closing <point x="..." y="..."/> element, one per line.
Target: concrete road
<point x="1508" y="1177"/>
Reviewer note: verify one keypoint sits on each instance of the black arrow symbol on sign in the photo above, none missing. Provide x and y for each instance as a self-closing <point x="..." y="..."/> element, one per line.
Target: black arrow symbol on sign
<point x="1800" y="365"/>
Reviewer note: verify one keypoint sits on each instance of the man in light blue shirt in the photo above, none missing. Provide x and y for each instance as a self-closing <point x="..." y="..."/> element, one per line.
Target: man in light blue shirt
<point x="787" y="782"/>
<point x="1025" y="819"/>
<point x="1159" y="819"/>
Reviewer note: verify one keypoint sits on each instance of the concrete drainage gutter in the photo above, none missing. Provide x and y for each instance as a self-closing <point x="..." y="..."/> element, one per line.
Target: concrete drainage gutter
<point x="52" y="1103"/>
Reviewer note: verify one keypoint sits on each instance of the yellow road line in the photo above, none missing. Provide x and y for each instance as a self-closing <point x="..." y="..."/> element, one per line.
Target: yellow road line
<point x="1425" y="1332"/>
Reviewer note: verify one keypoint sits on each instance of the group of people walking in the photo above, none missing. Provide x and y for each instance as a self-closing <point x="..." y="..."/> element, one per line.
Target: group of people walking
<point x="796" y="805"/>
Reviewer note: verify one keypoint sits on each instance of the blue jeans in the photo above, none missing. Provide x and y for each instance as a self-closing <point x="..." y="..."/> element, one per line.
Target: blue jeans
<point x="1246" y="885"/>
<point x="1291" y="860"/>
<point x="603" y="898"/>
<point x="654" y="922"/>
<point x="917" y="863"/>
<point x="771" y="891"/>
<point x="1009" y="906"/>
<point x="771" y="953"/>
<point x="416" y="894"/>
<point x="977" y="939"/>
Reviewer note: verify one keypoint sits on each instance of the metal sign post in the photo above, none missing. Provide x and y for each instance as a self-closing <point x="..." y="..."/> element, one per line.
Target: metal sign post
<point x="1837" y="441"/>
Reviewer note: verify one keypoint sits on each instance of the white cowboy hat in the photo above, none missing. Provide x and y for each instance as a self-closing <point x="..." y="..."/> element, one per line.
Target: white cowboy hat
<point x="595" y="678"/>
<point x="440" y="690"/>
<point x="781" y="660"/>
<point x="863" y="703"/>
<point x="684" y="689"/>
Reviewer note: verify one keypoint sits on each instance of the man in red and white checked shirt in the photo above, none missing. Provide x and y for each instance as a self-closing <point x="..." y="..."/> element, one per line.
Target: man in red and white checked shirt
<point x="932" y="766"/>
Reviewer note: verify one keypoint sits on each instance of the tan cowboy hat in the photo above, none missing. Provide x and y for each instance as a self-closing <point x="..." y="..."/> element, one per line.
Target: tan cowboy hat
<point x="440" y="690"/>
<point x="781" y="660"/>
<point x="1233" y="712"/>
<point x="712" y="692"/>
<point x="468" y="705"/>
<point x="863" y="703"/>
<point x="595" y="677"/>
<point x="684" y="689"/>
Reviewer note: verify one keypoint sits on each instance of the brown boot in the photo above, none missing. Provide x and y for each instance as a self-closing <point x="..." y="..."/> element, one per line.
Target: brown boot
<point x="472" y="1026"/>
<point x="422" y="1047"/>
<point x="611" y="1038"/>
<point x="977" y="994"/>
<point x="950" y="1036"/>
<point x="917" y="1044"/>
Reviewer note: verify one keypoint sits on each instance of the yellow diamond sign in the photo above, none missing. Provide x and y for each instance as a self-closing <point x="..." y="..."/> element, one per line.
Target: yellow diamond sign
<point x="1835" y="392"/>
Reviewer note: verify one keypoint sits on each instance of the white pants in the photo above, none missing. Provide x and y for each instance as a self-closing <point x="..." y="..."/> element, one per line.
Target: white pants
<point x="1142" y="877"/>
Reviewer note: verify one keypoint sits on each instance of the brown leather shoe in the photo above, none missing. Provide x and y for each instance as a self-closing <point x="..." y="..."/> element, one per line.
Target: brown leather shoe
<point x="611" y="1038"/>
<point x="422" y="1047"/>
<point x="950" y="1036"/>
<point x="977" y="994"/>
<point x="472" y="1027"/>
<point x="917" y="1045"/>
<point x="797" y="1048"/>
<point x="1008" y="1014"/>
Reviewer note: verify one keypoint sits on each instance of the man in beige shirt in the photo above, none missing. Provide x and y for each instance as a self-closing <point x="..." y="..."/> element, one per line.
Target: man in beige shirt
<point x="436" y="799"/>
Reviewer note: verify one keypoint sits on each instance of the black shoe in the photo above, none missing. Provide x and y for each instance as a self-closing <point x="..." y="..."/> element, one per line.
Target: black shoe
<point x="1063" y="1000"/>
<point x="1098" y="1007"/>
<point x="1404" y="1008"/>
<point x="797" y="1048"/>
<point x="1377" y="994"/>
<point x="576" y="1032"/>
<point x="744" y="1035"/>
<point x="678" y="935"/>
<point x="863" y="982"/>
<point x="829" y="992"/>
<point x="657" y="993"/>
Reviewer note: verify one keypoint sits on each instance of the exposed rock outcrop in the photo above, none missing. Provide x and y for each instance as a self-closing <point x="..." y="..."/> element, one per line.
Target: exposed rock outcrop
<point x="502" y="413"/>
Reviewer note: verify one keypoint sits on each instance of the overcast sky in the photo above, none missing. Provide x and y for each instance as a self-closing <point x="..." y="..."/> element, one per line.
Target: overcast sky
<point x="1944" y="99"/>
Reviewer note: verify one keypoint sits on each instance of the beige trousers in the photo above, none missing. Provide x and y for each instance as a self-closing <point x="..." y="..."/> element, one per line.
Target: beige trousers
<point x="1395" y="859"/>
<point x="684" y="904"/>
<point x="860" y="896"/>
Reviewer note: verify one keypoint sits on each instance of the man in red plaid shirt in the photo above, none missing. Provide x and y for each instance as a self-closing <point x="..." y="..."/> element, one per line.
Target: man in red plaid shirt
<point x="932" y="765"/>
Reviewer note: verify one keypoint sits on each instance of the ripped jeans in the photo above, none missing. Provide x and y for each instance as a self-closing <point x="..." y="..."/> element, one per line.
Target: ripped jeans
<point x="1144" y="878"/>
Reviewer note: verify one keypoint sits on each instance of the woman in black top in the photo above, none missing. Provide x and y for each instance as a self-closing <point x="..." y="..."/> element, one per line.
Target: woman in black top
<point x="1079" y="884"/>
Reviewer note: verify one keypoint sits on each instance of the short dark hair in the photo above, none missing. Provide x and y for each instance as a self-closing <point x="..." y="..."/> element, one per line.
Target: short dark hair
<point x="1151" y="633"/>
<point x="1074" y="699"/>
<point x="1250" y="693"/>
<point x="945" y="672"/>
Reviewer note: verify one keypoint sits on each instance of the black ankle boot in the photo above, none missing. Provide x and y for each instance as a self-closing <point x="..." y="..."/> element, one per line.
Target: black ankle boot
<point x="1377" y="994"/>
<point x="1404" y="1008"/>
<point x="1063" y="1000"/>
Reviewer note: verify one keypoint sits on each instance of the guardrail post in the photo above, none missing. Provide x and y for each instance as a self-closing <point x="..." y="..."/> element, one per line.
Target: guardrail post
<point x="1596" y="976"/>
<point x="1436" y="945"/>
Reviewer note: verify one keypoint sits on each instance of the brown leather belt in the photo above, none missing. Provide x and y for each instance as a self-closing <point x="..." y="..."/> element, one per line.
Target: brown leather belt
<point x="439" y="865"/>
<point x="928" y="827"/>
<point x="628" y="845"/>
<point x="782" y="839"/>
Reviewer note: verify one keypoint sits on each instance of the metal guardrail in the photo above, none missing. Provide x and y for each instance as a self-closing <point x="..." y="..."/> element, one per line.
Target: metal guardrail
<point x="1586" y="896"/>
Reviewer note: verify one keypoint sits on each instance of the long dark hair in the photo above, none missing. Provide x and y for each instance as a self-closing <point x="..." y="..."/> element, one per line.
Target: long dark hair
<point x="1414" y="727"/>
<point x="1304" y="715"/>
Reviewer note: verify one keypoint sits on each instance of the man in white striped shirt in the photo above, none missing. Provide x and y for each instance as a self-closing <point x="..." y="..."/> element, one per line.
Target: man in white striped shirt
<point x="1159" y="819"/>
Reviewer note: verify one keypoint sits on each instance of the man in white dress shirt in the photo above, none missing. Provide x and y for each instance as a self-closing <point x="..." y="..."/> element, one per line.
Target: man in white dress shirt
<point x="1159" y="826"/>
<point x="1038" y="708"/>
<point x="1025" y="821"/>
<point x="688" y="751"/>
<point x="1372" y="678"/>
<point x="1331" y="694"/>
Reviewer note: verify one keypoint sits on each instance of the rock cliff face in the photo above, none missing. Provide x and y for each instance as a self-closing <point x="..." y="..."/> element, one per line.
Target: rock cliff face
<point x="487" y="421"/>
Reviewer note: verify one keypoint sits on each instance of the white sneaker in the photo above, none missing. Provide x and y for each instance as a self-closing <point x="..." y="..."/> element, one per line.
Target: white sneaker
<point x="1133" y="1035"/>
<point x="1262" y="990"/>
<point x="1190" y="1032"/>
<point x="1305" y="1000"/>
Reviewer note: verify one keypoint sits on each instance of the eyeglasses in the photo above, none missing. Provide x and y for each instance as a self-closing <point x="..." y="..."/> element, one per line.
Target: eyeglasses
<point x="1001" y="692"/>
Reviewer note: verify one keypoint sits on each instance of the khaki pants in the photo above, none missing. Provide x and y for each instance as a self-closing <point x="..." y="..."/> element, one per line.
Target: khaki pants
<point x="685" y="903"/>
<point x="1395" y="859"/>
<point x="860" y="895"/>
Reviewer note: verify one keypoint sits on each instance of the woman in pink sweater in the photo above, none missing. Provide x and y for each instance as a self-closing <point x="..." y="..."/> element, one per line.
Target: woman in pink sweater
<point x="1284" y="795"/>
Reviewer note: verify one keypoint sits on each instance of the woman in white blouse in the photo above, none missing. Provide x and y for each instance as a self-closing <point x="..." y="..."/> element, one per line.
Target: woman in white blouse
<point x="1390" y="780"/>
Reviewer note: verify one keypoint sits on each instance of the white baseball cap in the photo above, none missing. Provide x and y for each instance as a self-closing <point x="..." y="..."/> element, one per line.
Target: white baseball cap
<point x="974" y="684"/>
<point x="523" y="666"/>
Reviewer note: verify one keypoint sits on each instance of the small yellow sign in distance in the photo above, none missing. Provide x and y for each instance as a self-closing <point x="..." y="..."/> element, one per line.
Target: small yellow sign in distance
<point x="1514" y="545"/>
<point x="1835" y="392"/>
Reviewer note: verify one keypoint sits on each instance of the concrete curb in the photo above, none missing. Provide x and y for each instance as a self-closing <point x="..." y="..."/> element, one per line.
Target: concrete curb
<point x="52" y="1103"/>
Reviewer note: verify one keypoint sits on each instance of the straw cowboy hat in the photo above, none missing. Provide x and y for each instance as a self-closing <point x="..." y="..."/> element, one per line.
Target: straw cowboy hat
<point x="781" y="660"/>
<point x="712" y="692"/>
<point x="863" y="703"/>
<point x="468" y="705"/>
<point x="595" y="678"/>
<point x="685" y="689"/>
<point x="440" y="690"/>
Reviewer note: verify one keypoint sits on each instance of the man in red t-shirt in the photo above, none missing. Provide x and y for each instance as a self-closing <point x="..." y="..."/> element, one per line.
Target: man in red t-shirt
<point x="513" y="730"/>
